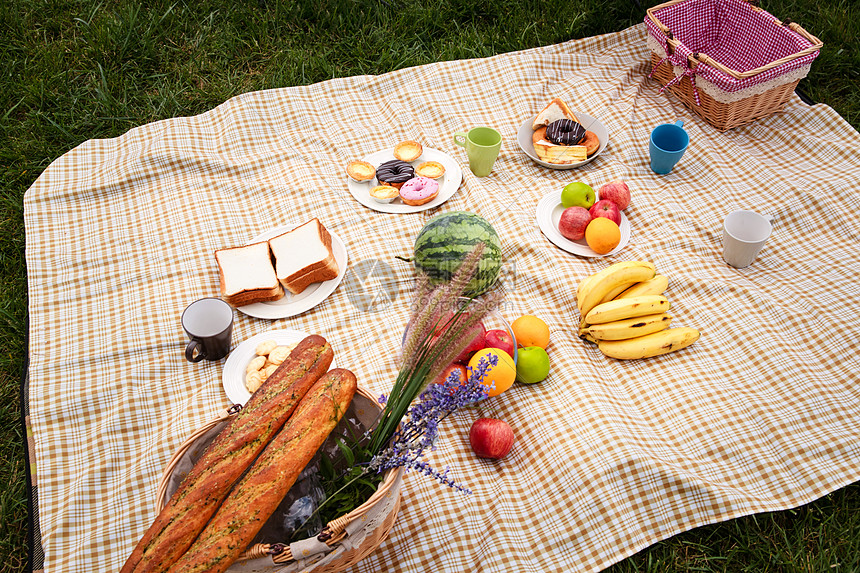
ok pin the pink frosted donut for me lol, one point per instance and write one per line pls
(419, 190)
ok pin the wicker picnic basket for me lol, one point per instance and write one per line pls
(342, 543)
(729, 61)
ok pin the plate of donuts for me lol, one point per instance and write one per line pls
(548, 214)
(409, 178)
(592, 124)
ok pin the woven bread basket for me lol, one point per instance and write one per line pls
(342, 543)
(755, 61)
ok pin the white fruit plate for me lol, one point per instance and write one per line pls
(548, 213)
(524, 139)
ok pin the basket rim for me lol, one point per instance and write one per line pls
(815, 46)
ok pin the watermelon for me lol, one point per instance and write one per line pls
(445, 241)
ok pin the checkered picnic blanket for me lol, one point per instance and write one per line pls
(762, 413)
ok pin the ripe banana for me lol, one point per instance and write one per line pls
(582, 288)
(657, 285)
(629, 328)
(596, 287)
(627, 308)
(613, 294)
(649, 345)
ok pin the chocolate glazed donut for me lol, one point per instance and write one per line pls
(565, 132)
(394, 173)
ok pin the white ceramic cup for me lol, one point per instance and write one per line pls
(744, 235)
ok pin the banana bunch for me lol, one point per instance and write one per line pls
(623, 311)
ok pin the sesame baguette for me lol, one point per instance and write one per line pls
(259, 492)
(228, 456)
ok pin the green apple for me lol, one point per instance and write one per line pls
(532, 365)
(577, 194)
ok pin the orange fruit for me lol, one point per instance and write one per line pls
(530, 331)
(602, 235)
(499, 377)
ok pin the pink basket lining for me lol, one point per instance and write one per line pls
(731, 32)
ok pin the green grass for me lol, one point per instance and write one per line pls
(75, 70)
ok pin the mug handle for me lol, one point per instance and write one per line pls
(680, 123)
(460, 138)
(189, 351)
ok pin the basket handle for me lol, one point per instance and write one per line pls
(672, 42)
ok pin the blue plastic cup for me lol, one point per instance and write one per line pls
(669, 141)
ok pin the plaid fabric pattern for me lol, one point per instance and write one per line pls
(762, 413)
(733, 33)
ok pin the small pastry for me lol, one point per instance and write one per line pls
(408, 150)
(565, 132)
(590, 142)
(360, 170)
(549, 152)
(419, 190)
(394, 173)
(431, 169)
(384, 193)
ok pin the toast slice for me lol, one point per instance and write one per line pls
(554, 110)
(304, 256)
(247, 275)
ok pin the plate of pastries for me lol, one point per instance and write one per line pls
(561, 138)
(406, 179)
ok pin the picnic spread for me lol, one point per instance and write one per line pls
(613, 451)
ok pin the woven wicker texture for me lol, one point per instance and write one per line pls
(762, 413)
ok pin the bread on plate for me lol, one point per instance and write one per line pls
(554, 110)
(304, 256)
(247, 275)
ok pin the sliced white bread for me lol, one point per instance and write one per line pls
(554, 110)
(304, 256)
(247, 275)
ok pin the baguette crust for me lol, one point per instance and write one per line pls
(230, 454)
(259, 492)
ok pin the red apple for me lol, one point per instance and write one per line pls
(616, 191)
(573, 222)
(458, 368)
(491, 438)
(500, 339)
(606, 208)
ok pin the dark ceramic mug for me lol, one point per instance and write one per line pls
(208, 322)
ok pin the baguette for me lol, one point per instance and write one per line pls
(257, 495)
(230, 454)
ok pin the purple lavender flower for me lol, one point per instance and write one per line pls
(420, 428)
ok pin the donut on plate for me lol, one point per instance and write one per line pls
(419, 190)
(394, 173)
(565, 132)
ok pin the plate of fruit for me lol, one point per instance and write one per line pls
(561, 138)
(586, 222)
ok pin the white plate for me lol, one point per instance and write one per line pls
(548, 213)
(293, 304)
(524, 138)
(233, 375)
(448, 183)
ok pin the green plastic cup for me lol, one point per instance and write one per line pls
(482, 147)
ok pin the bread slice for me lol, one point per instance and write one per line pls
(247, 275)
(304, 256)
(554, 110)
